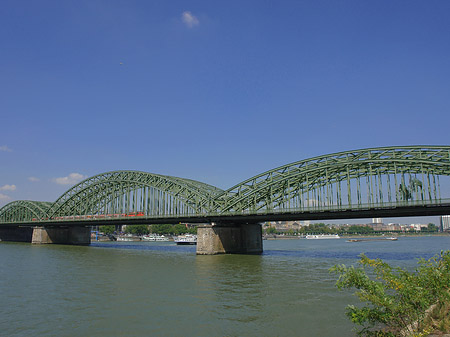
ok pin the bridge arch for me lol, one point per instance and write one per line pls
(24, 210)
(125, 193)
(360, 179)
(374, 176)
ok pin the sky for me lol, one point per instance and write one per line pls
(216, 91)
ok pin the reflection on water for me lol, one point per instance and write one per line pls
(160, 289)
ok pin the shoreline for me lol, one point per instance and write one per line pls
(342, 236)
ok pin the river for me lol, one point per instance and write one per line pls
(160, 289)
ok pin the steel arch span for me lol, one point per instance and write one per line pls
(367, 179)
(24, 210)
(407, 175)
(134, 193)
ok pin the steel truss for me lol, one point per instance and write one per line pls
(24, 210)
(408, 175)
(352, 178)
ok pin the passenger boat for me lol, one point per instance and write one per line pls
(323, 236)
(127, 238)
(188, 239)
(154, 237)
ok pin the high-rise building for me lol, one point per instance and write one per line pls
(445, 222)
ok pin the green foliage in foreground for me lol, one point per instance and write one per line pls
(397, 302)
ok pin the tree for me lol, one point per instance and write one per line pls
(137, 229)
(107, 229)
(271, 230)
(355, 229)
(319, 228)
(173, 229)
(432, 227)
(397, 301)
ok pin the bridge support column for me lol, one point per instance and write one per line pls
(62, 235)
(15, 233)
(229, 239)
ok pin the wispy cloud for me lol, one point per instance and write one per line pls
(8, 188)
(4, 197)
(5, 148)
(33, 179)
(71, 179)
(189, 19)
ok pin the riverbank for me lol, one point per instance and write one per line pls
(368, 236)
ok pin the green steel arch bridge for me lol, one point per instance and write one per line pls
(385, 181)
(374, 182)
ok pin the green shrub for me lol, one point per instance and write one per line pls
(396, 301)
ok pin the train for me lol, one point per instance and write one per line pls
(93, 216)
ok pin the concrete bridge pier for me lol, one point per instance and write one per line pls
(16, 233)
(239, 238)
(62, 235)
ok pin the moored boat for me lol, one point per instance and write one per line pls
(322, 236)
(154, 237)
(188, 239)
(127, 238)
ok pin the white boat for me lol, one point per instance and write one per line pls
(393, 238)
(188, 239)
(154, 237)
(323, 236)
(127, 238)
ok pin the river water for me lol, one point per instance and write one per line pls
(160, 289)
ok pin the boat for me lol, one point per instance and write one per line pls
(393, 238)
(188, 239)
(127, 238)
(154, 237)
(322, 236)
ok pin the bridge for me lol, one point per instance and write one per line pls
(375, 182)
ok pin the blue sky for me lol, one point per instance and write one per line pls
(216, 91)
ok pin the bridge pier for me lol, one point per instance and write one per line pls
(16, 234)
(62, 235)
(218, 238)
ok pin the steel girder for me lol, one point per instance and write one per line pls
(375, 176)
(24, 210)
(123, 192)
(335, 179)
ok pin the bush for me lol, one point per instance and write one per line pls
(397, 301)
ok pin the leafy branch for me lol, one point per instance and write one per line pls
(396, 301)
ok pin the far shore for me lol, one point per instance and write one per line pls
(284, 237)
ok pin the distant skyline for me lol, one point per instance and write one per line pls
(212, 91)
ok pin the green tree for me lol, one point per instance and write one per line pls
(397, 300)
(165, 229)
(107, 229)
(271, 230)
(319, 228)
(137, 229)
(355, 229)
(432, 227)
